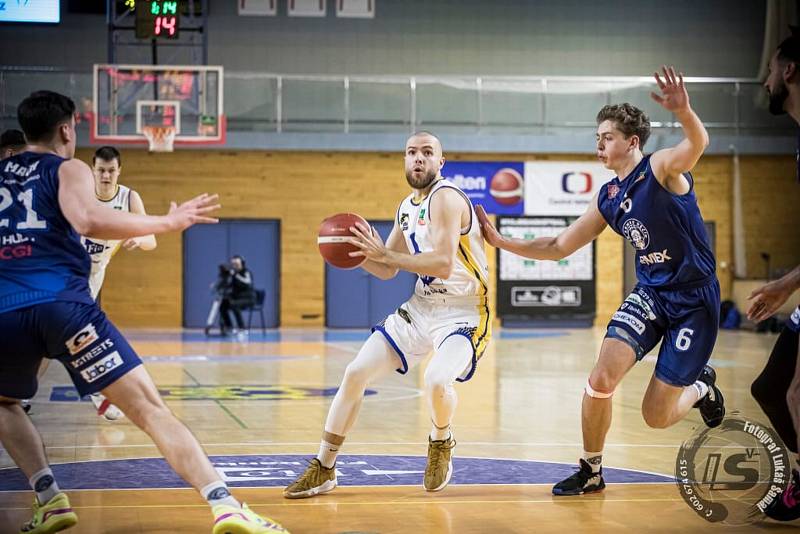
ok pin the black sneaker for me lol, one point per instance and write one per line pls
(582, 481)
(26, 405)
(786, 506)
(712, 406)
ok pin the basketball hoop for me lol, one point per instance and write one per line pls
(160, 138)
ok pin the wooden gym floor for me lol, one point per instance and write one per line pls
(258, 408)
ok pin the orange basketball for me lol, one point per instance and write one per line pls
(506, 187)
(332, 246)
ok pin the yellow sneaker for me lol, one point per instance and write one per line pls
(232, 520)
(316, 480)
(440, 464)
(53, 516)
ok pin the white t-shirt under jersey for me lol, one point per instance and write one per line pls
(102, 250)
(471, 271)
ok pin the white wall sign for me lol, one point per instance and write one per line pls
(562, 187)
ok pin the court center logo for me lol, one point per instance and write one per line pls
(732, 473)
(636, 232)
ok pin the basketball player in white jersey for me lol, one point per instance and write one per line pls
(106, 166)
(437, 236)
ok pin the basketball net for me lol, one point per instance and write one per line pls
(160, 138)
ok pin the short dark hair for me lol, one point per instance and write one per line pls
(789, 49)
(628, 119)
(41, 112)
(107, 153)
(12, 138)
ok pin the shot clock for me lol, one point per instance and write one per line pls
(158, 19)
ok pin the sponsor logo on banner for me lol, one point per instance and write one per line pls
(498, 186)
(576, 183)
(546, 296)
(85, 337)
(562, 187)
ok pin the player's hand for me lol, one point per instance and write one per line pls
(369, 243)
(490, 233)
(194, 211)
(130, 244)
(673, 95)
(766, 300)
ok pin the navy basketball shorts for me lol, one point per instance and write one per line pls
(685, 321)
(793, 322)
(79, 335)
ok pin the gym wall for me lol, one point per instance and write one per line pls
(302, 188)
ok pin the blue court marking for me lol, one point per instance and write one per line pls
(207, 358)
(512, 334)
(257, 471)
(278, 336)
(271, 336)
(219, 392)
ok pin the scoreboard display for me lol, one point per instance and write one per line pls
(159, 19)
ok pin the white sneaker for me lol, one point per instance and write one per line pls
(105, 409)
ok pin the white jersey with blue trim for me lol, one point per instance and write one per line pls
(102, 250)
(470, 273)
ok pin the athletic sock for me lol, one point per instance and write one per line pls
(217, 493)
(594, 459)
(440, 434)
(329, 449)
(702, 389)
(45, 485)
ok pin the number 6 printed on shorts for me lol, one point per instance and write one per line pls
(683, 341)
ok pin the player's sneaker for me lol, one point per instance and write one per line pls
(582, 481)
(26, 405)
(233, 520)
(439, 468)
(53, 516)
(786, 506)
(712, 406)
(316, 479)
(105, 409)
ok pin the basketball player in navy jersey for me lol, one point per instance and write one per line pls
(777, 388)
(47, 201)
(11, 142)
(652, 204)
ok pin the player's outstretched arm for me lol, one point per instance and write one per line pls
(146, 242)
(447, 207)
(90, 218)
(394, 242)
(766, 300)
(669, 164)
(578, 234)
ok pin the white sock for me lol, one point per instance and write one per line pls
(594, 459)
(45, 485)
(327, 454)
(440, 434)
(702, 389)
(218, 493)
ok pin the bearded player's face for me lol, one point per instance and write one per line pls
(423, 160)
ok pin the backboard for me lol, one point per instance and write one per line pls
(128, 98)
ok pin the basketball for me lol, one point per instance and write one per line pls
(506, 187)
(331, 240)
